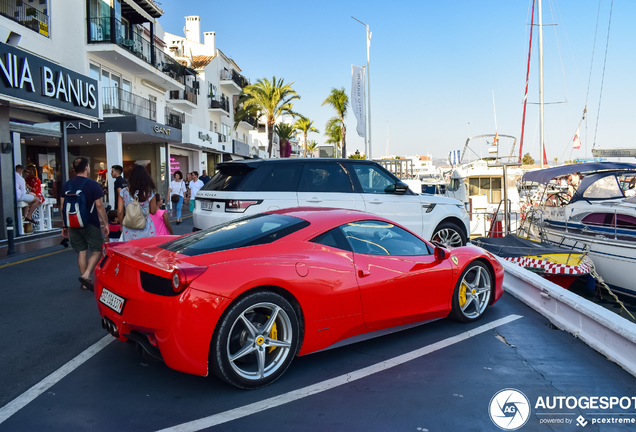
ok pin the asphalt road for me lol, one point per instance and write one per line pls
(47, 321)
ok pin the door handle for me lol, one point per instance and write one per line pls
(314, 200)
(375, 202)
(362, 273)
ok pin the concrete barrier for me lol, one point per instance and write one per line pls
(606, 332)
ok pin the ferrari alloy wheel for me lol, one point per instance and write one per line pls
(255, 341)
(449, 235)
(472, 293)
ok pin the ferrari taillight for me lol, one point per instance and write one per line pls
(182, 277)
(239, 206)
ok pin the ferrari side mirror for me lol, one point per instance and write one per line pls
(440, 253)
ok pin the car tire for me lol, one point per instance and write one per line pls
(449, 234)
(243, 352)
(472, 293)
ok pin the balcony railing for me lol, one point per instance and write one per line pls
(174, 118)
(26, 15)
(132, 39)
(239, 79)
(118, 101)
(188, 94)
(220, 103)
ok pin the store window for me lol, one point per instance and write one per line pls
(96, 155)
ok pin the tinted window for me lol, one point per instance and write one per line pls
(229, 178)
(275, 177)
(333, 238)
(382, 238)
(331, 177)
(249, 231)
(374, 180)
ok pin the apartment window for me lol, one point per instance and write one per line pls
(211, 90)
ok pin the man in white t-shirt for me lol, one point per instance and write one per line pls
(21, 194)
(195, 185)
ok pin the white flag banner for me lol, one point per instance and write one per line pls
(357, 98)
(577, 139)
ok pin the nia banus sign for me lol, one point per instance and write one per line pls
(31, 78)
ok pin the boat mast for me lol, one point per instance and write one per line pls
(541, 78)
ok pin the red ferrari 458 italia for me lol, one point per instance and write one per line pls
(243, 298)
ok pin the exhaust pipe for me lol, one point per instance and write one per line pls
(110, 327)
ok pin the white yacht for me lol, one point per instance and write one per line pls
(600, 214)
(479, 183)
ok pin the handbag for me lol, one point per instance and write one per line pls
(135, 217)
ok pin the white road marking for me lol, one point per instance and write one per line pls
(276, 401)
(25, 398)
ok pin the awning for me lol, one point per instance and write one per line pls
(544, 176)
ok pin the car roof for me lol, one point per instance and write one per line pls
(256, 162)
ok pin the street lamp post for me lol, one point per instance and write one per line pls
(369, 34)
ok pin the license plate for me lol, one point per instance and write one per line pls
(112, 300)
(207, 205)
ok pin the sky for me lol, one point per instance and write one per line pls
(434, 66)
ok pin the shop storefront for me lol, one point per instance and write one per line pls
(127, 141)
(36, 96)
(200, 150)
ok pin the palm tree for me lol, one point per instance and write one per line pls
(285, 132)
(271, 99)
(339, 101)
(311, 147)
(244, 113)
(333, 132)
(305, 125)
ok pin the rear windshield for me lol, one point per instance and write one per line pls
(249, 231)
(229, 178)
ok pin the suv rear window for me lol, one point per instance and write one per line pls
(229, 178)
(250, 231)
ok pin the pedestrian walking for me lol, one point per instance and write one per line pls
(141, 190)
(120, 183)
(160, 219)
(82, 209)
(195, 185)
(204, 177)
(177, 193)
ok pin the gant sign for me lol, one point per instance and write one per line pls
(31, 78)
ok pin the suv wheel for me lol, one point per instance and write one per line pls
(449, 234)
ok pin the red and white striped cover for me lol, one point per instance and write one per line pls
(552, 267)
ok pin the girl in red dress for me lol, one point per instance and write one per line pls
(33, 182)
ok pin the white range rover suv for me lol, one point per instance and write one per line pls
(241, 188)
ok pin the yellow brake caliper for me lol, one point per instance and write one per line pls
(462, 294)
(273, 335)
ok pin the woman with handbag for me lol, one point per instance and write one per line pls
(137, 202)
(177, 191)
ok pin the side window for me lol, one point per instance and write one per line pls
(373, 180)
(333, 238)
(383, 238)
(325, 178)
(275, 177)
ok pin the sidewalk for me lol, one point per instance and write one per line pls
(27, 246)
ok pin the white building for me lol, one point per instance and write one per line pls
(210, 114)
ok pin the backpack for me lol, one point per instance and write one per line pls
(75, 213)
(135, 217)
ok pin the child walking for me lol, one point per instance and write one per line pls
(160, 219)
